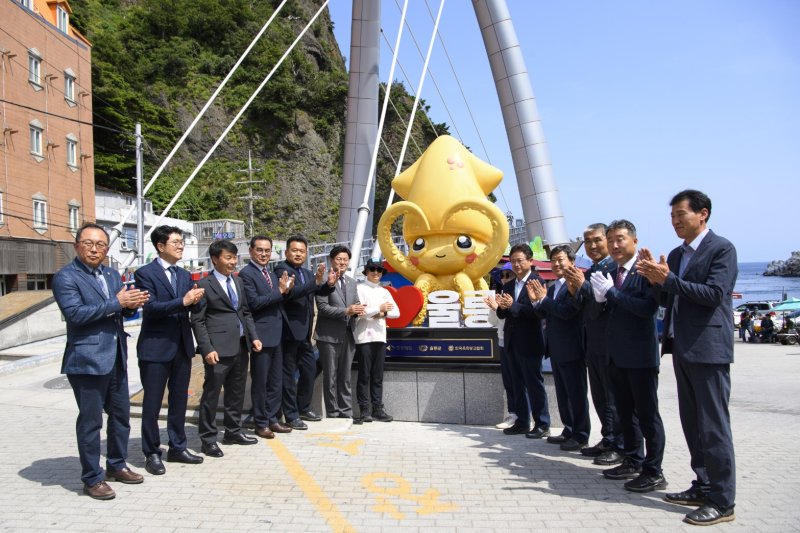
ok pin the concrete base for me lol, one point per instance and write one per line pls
(451, 397)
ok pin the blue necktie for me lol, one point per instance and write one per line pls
(234, 301)
(101, 281)
(173, 279)
(302, 279)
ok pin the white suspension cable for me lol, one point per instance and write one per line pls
(376, 249)
(236, 118)
(199, 116)
(363, 209)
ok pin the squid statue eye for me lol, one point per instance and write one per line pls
(464, 242)
(418, 245)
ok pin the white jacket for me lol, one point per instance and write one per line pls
(370, 327)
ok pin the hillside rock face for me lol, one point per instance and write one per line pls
(787, 269)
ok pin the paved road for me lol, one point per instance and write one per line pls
(391, 477)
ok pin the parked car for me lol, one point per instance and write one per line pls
(760, 307)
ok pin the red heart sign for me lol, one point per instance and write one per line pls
(409, 299)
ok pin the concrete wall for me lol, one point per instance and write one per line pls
(43, 324)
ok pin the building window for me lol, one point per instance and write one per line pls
(62, 18)
(72, 151)
(39, 212)
(37, 282)
(74, 217)
(34, 67)
(69, 86)
(36, 140)
(27, 3)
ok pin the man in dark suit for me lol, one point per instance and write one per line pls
(299, 307)
(334, 335)
(608, 451)
(265, 297)
(224, 329)
(560, 306)
(522, 336)
(696, 282)
(633, 346)
(93, 302)
(165, 348)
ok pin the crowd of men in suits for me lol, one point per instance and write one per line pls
(600, 334)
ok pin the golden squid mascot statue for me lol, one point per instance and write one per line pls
(455, 235)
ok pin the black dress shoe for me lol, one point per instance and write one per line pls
(627, 470)
(212, 450)
(609, 458)
(646, 483)
(538, 432)
(238, 438)
(693, 496)
(516, 429)
(557, 439)
(297, 424)
(154, 465)
(596, 450)
(184, 456)
(310, 416)
(572, 445)
(709, 514)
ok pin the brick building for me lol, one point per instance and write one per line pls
(46, 146)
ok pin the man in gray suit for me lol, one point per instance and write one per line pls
(696, 284)
(334, 336)
(93, 302)
(225, 332)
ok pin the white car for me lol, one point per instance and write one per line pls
(760, 307)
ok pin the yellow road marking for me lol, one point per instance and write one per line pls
(310, 488)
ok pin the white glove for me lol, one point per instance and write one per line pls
(600, 285)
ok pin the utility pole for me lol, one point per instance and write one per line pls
(250, 183)
(139, 195)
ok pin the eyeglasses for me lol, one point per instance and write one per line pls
(177, 244)
(264, 251)
(92, 244)
(375, 269)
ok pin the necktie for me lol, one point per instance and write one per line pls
(300, 275)
(341, 283)
(173, 279)
(234, 301)
(101, 281)
(266, 275)
(685, 257)
(620, 277)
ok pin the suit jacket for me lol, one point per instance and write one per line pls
(216, 323)
(165, 320)
(94, 323)
(522, 332)
(299, 302)
(632, 335)
(333, 324)
(265, 303)
(563, 314)
(595, 316)
(704, 320)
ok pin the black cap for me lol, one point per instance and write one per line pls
(373, 264)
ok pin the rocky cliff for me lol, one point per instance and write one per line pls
(787, 269)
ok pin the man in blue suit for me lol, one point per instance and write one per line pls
(299, 307)
(522, 336)
(560, 305)
(633, 346)
(696, 282)
(265, 293)
(165, 348)
(93, 302)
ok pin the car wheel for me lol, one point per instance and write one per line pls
(791, 340)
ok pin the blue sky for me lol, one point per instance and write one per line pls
(638, 100)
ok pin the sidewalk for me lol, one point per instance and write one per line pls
(392, 477)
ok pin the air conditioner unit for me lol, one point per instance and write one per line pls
(123, 245)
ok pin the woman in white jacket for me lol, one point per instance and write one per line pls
(370, 338)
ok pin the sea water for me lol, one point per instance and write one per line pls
(753, 285)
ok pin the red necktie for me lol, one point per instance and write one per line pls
(266, 275)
